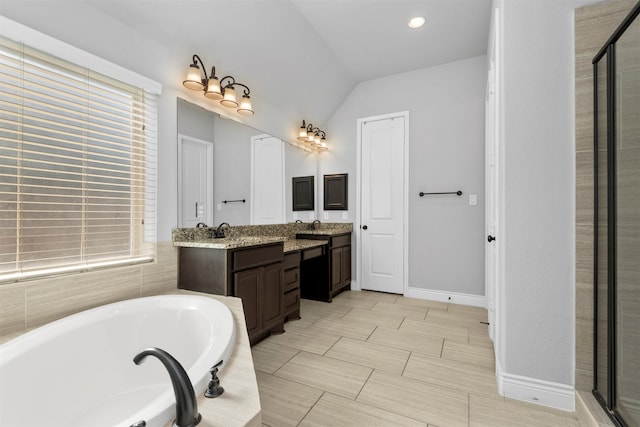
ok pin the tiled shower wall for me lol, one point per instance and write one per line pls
(28, 304)
(593, 26)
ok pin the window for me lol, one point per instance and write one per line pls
(77, 167)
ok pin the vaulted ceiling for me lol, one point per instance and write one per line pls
(302, 55)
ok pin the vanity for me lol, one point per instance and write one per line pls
(326, 277)
(269, 267)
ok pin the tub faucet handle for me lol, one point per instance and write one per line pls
(214, 389)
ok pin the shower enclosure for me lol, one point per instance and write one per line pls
(617, 223)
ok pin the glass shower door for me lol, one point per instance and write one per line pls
(627, 177)
(617, 223)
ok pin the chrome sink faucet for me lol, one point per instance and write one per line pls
(220, 231)
(186, 404)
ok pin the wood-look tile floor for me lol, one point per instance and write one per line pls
(376, 359)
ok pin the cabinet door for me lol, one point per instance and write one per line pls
(272, 296)
(346, 264)
(336, 268)
(248, 286)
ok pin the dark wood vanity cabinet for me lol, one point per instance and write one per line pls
(255, 274)
(324, 277)
(258, 279)
(291, 266)
(262, 298)
(340, 262)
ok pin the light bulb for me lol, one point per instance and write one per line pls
(213, 89)
(194, 78)
(245, 106)
(229, 99)
(416, 22)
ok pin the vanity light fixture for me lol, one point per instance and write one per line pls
(222, 89)
(416, 22)
(315, 137)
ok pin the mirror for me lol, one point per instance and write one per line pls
(229, 181)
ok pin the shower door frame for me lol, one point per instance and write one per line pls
(609, 403)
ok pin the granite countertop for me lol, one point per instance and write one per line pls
(325, 231)
(228, 242)
(293, 245)
(290, 245)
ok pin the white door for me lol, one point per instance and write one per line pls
(195, 181)
(267, 180)
(382, 202)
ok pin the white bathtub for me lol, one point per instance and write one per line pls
(79, 371)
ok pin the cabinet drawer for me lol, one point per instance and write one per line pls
(338, 241)
(291, 300)
(291, 279)
(246, 258)
(312, 253)
(291, 260)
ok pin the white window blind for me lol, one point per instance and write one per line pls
(77, 167)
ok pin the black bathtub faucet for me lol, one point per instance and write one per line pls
(186, 404)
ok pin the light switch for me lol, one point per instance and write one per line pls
(473, 199)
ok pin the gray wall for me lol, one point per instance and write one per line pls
(195, 121)
(232, 159)
(446, 152)
(299, 162)
(537, 326)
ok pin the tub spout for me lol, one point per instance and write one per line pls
(186, 404)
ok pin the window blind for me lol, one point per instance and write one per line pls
(77, 166)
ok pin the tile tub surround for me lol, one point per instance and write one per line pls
(28, 304)
(426, 364)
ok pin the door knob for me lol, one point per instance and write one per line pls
(490, 238)
(364, 227)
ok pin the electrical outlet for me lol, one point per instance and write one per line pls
(326, 215)
(345, 215)
(295, 216)
(219, 206)
(473, 199)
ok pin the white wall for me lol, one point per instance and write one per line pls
(446, 152)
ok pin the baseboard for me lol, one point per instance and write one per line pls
(443, 296)
(546, 393)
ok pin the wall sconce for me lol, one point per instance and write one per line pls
(217, 89)
(313, 136)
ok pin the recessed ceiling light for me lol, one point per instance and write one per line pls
(416, 22)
